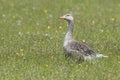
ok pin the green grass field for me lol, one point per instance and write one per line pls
(31, 38)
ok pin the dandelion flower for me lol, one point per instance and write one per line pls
(17, 53)
(93, 22)
(83, 40)
(60, 27)
(113, 19)
(46, 65)
(13, 17)
(45, 11)
(21, 50)
(48, 27)
(56, 31)
(119, 62)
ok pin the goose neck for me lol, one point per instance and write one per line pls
(70, 26)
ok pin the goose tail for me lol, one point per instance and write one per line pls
(101, 55)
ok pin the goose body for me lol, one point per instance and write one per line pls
(74, 48)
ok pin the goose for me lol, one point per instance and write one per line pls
(77, 49)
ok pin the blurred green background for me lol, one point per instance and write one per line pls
(31, 38)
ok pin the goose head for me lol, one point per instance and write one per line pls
(67, 17)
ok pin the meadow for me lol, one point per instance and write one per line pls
(31, 39)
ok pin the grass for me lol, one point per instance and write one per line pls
(31, 38)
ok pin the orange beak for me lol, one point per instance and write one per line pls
(62, 17)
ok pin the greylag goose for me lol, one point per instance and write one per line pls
(76, 49)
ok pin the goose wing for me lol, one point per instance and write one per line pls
(82, 48)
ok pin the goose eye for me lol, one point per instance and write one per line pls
(67, 15)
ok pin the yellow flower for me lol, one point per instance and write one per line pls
(113, 19)
(45, 11)
(93, 22)
(13, 17)
(119, 62)
(60, 27)
(46, 65)
(17, 53)
(21, 50)
(48, 27)
(83, 40)
(56, 31)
